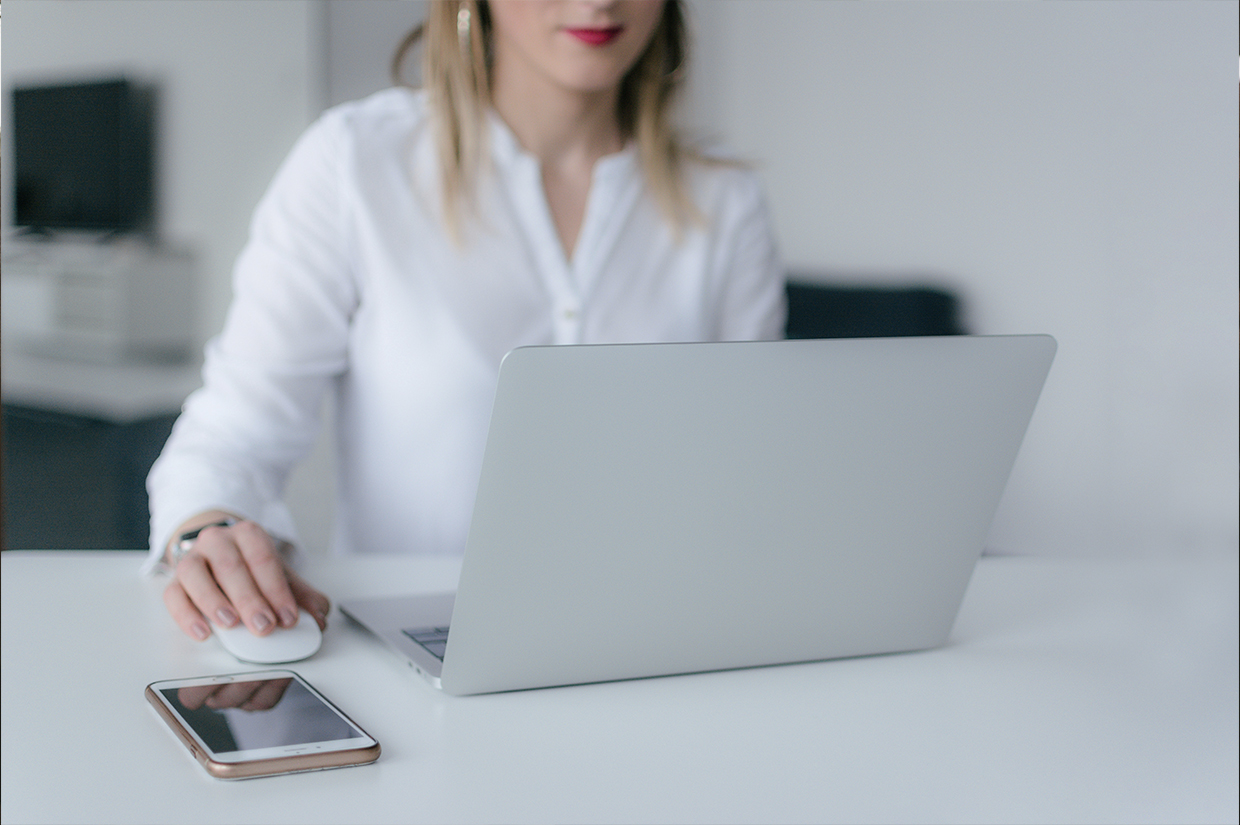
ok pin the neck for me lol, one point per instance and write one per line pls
(557, 126)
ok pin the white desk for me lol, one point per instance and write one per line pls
(1082, 691)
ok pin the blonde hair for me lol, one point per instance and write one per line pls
(455, 38)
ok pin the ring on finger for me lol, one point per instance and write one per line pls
(186, 541)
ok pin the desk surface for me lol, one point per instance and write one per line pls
(1082, 691)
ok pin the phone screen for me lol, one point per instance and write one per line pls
(253, 715)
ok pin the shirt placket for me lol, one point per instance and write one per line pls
(535, 217)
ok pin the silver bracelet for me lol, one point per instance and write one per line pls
(186, 541)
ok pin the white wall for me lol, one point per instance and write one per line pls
(361, 38)
(1072, 168)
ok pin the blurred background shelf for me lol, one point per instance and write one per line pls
(79, 440)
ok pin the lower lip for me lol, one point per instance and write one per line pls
(595, 37)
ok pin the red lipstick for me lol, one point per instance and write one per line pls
(596, 37)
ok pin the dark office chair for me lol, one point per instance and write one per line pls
(824, 310)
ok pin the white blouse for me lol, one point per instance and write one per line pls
(349, 286)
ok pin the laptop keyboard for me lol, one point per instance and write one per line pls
(433, 639)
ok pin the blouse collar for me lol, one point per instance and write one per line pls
(508, 153)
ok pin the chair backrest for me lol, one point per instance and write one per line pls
(822, 310)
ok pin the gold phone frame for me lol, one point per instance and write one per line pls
(296, 763)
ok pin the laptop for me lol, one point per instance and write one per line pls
(657, 509)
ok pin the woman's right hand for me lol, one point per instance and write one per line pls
(237, 573)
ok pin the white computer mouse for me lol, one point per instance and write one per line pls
(284, 644)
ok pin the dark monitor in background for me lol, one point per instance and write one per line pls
(84, 157)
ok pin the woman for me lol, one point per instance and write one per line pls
(531, 193)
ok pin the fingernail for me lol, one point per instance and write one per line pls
(288, 617)
(261, 621)
(200, 631)
(226, 617)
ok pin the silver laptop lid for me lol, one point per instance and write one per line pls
(657, 509)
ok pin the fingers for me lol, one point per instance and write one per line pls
(261, 695)
(233, 695)
(195, 579)
(273, 603)
(312, 600)
(184, 613)
(268, 695)
(232, 574)
(192, 698)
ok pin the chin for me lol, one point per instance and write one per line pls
(593, 80)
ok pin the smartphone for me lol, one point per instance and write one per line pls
(264, 723)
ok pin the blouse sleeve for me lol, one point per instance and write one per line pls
(752, 303)
(284, 340)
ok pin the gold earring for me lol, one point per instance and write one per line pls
(462, 27)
